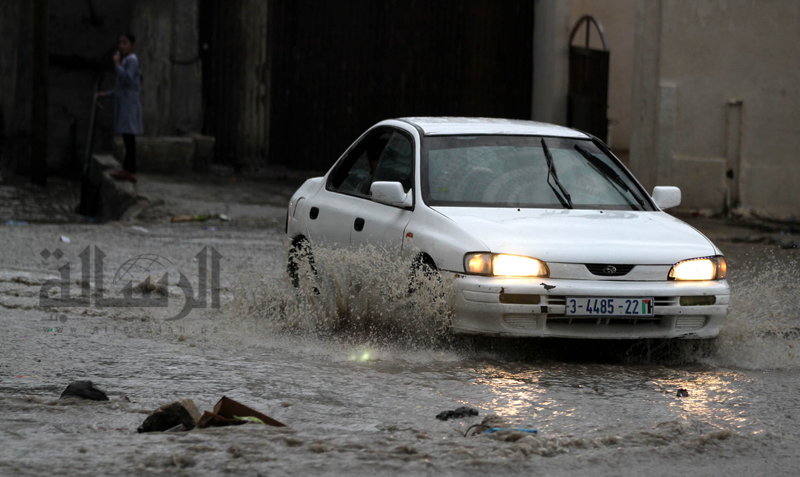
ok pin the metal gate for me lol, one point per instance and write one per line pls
(588, 83)
(233, 45)
(339, 67)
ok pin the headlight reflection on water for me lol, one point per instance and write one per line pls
(713, 398)
(362, 356)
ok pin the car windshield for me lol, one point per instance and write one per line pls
(515, 171)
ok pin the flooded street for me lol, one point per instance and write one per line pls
(359, 371)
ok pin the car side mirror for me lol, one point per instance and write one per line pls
(390, 193)
(666, 197)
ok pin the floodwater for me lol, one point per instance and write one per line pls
(359, 370)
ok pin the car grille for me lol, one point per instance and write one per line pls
(603, 269)
(602, 320)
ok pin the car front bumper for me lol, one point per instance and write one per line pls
(479, 309)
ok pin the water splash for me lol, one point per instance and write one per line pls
(351, 295)
(762, 330)
(361, 298)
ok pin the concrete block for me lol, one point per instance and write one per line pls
(203, 151)
(161, 154)
(104, 197)
(114, 198)
(98, 165)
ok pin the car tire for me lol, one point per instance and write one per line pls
(423, 266)
(300, 258)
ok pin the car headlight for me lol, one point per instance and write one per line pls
(706, 268)
(500, 264)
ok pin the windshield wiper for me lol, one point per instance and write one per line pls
(609, 173)
(551, 170)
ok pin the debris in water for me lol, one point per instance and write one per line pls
(209, 419)
(682, 393)
(170, 415)
(458, 413)
(198, 218)
(250, 419)
(83, 390)
(228, 409)
(492, 430)
(494, 423)
(178, 428)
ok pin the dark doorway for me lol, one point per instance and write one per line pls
(339, 67)
(587, 103)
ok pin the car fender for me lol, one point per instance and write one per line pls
(441, 238)
(298, 207)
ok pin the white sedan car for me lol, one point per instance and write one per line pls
(542, 229)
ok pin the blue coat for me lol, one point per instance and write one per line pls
(127, 107)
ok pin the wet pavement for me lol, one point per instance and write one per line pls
(359, 372)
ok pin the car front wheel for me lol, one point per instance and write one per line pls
(300, 264)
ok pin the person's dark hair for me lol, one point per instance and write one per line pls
(130, 36)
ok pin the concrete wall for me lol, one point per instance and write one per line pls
(717, 103)
(167, 47)
(617, 18)
(550, 61)
(82, 37)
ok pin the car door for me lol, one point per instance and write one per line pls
(332, 212)
(379, 224)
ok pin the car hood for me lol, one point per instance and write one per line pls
(583, 236)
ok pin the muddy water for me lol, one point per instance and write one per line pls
(359, 370)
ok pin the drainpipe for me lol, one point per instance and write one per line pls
(733, 154)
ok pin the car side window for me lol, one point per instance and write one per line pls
(354, 175)
(396, 163)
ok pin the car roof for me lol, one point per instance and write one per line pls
(447, 126)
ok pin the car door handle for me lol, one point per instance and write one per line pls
(358, 224)
(313, 213)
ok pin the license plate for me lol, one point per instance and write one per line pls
(616, 306)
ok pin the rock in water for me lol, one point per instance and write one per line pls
(170, 415)
(83, 390)
(460, 412)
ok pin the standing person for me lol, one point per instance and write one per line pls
(127, 107)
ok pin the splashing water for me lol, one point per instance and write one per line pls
(762, 330)
(369, 296)
(364, 294)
